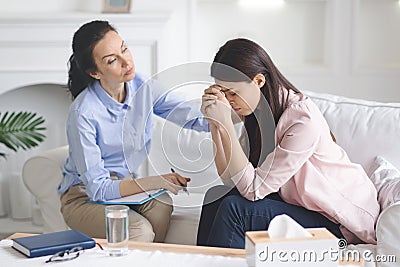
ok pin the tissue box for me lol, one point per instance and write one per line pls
(319, 250)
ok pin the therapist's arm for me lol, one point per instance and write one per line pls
(170, 105)
(173, 182)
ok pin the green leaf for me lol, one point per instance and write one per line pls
(22, 130)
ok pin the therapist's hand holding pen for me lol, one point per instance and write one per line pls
(184, 186)
(173, 182)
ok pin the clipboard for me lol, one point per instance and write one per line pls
(135, 199)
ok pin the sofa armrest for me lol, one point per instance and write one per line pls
(388, 233)
(41, 174)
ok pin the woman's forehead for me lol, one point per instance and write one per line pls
(226, 85)
(110, 41)
(231, 86)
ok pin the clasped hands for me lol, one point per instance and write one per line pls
(215, 106)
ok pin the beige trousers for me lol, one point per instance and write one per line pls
(148, 222)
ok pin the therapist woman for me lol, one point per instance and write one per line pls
(112, 114)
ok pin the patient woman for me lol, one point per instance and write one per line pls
(304, 174)
(113, 104)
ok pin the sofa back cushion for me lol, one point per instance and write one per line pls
(365, 129)
(189, 152)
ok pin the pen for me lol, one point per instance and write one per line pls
(183, 187)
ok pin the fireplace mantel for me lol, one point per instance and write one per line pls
(34, 49)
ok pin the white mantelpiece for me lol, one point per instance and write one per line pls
(34, 49)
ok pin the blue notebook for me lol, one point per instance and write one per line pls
(51, 243)
(135, 199)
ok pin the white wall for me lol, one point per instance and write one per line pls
(345, 47)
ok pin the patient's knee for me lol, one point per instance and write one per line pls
(215, 193)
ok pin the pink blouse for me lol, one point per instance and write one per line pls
(310, 170)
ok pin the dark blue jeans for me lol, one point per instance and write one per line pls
(225, 220)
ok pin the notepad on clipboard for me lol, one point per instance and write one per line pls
(135, 199)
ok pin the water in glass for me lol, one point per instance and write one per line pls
(117, 230)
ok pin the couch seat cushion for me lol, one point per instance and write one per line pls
(185, 218)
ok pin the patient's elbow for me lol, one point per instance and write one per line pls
(253, 194)
(250, 195)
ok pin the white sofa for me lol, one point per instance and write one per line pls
(365, 129)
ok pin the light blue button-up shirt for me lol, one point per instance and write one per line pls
(106, 136)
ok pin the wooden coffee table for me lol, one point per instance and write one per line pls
(185, 249)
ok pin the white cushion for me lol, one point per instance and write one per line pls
(365, 129)
(388, 234)
(41, 174)
(189, 152)
(386, 179)
(185, 218)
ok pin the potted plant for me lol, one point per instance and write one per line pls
(21, 130)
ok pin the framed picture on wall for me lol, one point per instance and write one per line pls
(116, 6)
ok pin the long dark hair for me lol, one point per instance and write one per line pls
(81, 60)
(251, 59)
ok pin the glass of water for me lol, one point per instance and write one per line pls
(117, 232)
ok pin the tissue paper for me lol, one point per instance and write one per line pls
(283, 226)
